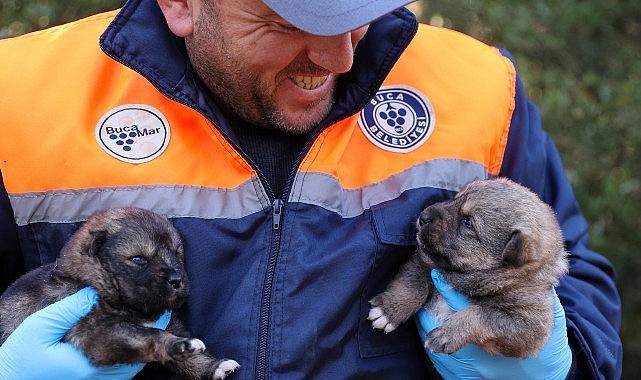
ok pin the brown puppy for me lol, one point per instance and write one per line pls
(134, 259)
(497, 243)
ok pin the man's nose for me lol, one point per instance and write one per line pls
(335, 53)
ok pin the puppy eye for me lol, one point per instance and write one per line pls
(467, 222)
(138, 260)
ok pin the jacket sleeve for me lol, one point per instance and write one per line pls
(588, 293)
(11, 263)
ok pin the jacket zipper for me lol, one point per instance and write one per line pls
(265, 301)
(266, 297)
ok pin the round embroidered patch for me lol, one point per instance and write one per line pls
(133, 133)
(398, 119)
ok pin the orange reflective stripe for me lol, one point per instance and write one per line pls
(48, 135)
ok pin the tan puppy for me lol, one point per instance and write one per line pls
(134, 259)
(497, 243)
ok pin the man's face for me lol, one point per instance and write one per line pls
(262, 69)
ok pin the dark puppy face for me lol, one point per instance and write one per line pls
(488, 225)
(132, 257)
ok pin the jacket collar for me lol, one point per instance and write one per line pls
(139, 38)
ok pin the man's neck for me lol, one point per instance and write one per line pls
(273, 152)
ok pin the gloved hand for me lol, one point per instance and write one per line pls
(35, 351)
(553, 362)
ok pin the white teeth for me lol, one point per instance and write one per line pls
(308, 82)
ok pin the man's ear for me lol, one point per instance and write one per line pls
(517, 250)
(180, 16)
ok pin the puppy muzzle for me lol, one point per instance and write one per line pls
(175, 279)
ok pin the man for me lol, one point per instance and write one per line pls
(293, 144)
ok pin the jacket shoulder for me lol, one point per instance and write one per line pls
(44, 67)
(451, 52)
(450, 44)
(98, 22)
(53, 48)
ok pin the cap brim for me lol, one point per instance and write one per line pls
(332, 17)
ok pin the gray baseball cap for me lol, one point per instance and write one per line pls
(332, 17)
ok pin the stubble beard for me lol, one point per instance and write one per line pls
(239, 93)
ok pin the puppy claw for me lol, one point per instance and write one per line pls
(375, 313)
(225, 368)
(380, 321)
(188, 346)
(196, 345)
(389, 328)
(438, 341)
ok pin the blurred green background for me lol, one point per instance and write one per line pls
(581, 63)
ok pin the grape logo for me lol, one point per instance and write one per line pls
(398, 119)
(133, 133)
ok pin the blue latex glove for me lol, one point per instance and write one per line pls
(34, 349)
(472, 362)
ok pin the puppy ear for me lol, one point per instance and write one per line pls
(78, 259)
(516, 251)
(96, 240)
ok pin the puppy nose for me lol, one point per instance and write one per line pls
(424, 218)
(429, 215)
(175, 279)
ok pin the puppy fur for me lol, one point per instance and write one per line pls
(497, 243)
(134, 259)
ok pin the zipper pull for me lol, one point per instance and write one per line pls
(276, 213)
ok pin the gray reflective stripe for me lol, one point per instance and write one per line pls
(326, 191)
(173, 201)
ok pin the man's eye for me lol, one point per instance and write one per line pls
(287, 28)
(138, 260)
(467, 222)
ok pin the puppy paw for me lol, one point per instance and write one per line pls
(442, 340)
(187, 347)
(380, 321)
(225, 367)
(388, 311)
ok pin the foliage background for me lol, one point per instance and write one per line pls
(581, 63)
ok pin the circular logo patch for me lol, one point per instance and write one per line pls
(398, 119)
(133, 133)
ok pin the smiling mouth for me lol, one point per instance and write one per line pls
(308, 82)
